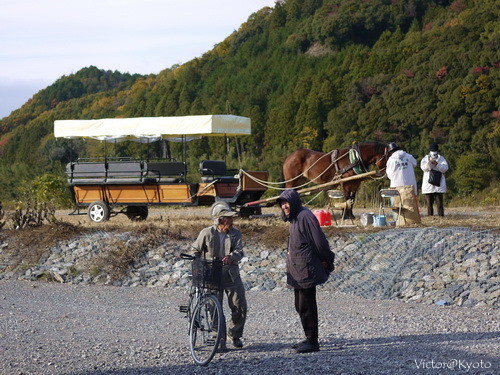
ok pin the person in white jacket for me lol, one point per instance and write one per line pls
(434, 192)
(400, 167)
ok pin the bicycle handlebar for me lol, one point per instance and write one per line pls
(192, 257)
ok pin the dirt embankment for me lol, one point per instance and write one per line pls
(187, 222)
(27, 246)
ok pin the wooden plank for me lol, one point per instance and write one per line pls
(88, 194)
(123, 194)
(175, 193)
(252, 185)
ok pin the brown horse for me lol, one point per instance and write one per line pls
(320, 167)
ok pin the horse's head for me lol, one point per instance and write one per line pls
(374, 152)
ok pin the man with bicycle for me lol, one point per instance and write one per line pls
(222, 241)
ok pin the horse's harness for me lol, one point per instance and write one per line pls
(355, 162)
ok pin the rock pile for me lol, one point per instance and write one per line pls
(448, 266)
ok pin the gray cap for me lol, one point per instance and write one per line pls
(222, 209)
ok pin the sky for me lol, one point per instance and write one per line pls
(43, 40)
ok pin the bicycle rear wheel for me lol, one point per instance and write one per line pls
(205, 329)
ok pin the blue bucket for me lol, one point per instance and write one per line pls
(379, 221)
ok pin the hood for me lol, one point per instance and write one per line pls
(399, 154)
(292, 197)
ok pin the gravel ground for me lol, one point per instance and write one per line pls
(72, 329)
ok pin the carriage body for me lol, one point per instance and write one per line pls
(124, 185)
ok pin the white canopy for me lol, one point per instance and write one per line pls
(153, 127)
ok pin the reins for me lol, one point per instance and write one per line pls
(358, 162)
(269, 184)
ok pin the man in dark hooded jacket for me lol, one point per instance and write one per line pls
(309, 263)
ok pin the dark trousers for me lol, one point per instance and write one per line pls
(306, 306)
(438, 197)
(236, 299)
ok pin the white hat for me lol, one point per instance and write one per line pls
(222, 209)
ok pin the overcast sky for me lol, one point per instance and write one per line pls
(42, 40)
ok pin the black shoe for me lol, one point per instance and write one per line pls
(297, 344)
(237, 343)
(308, 347)
(222, 348)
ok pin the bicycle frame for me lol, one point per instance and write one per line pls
(204, 312)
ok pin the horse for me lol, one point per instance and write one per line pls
(320, 167)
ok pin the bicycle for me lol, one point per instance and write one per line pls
(204, 310)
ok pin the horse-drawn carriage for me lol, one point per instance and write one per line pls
(105, 185)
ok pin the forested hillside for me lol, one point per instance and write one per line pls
(319, 74)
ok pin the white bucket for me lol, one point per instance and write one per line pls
(366, 219)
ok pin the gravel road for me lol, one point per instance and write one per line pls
(74, 329)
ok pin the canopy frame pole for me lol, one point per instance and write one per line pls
(184, 150)
(227, 147)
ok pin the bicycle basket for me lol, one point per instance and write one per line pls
(207, 274)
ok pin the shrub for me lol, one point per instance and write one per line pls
(37, 201)
(52, 190)
(32, 214)
(472, 173)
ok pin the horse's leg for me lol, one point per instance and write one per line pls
(350, 193)
(349, 213)
(291, 180)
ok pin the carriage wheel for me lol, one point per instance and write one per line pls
(137, 213)
(98, 211)
(249, 211)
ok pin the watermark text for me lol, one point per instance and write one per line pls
(452, 364)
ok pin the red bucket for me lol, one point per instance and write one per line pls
(324, 217)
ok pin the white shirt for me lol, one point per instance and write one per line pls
(399, 170)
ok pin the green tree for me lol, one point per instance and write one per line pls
(473, 172)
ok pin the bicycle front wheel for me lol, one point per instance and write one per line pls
(205, 329)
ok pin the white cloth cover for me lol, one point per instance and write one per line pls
(153, 127)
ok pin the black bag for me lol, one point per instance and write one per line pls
(435, 177)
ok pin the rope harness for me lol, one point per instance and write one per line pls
(355, 162)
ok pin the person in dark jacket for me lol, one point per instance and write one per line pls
(309, 263)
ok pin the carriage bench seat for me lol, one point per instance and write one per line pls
(90, 173)
(86, 172)
(124, 172)
(173, 171)
(215, 170)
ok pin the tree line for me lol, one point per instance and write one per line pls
(318, 74)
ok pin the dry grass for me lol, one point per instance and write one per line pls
(186, 223)
(27, 246)
(120, 257)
